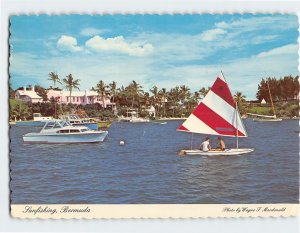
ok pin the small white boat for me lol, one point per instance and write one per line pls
(216, 114)
(64, 132)
(234, 151)
(133, 117)
(266, 118)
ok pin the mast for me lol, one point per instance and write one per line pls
(271, 99)
(236, 125)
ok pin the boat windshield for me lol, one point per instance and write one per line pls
(55, 124)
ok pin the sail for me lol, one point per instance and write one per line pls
(216, 114)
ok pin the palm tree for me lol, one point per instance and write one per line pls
(154, 91)
(71, 84)
(163, 93)
(203, 92)
(54, 78)
(239, 97)
(113, 88)
(101, 90)
(135, 89)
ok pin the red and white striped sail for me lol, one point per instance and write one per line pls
(216, 114)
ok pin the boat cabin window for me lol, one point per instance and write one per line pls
(83, 130)
(63, 131)
(74, 131)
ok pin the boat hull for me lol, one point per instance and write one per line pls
(217, 153)
(93, 137)
(104, 124)
(30, 123)
(268, 120)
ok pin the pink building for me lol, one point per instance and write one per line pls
(28, 95)
(80, 97)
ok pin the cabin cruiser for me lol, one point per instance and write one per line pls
(60, 131)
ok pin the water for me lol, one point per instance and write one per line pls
(147, 168)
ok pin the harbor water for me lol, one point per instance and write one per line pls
(147, 168)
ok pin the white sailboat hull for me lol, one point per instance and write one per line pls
(268, 120)
(216, 153)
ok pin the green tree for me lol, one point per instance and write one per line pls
(135, 91)
(54, 78)
(19, 110)
(71, 84)
(203, 92)
(41, 92)
(101, 90)
(163, 93)
(240, 99)
(113, 89)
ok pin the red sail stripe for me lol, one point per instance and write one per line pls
(182, 128)
(221, 89)
(215, 121)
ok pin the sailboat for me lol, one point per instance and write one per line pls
(266, 118)
(217, 114)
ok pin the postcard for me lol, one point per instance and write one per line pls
(154, 116)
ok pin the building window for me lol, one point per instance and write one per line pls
(73, 99)
(77, 99)
(67, 99)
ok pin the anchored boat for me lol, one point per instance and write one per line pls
(38, 121)
(217, 114)
(266, 118)
(64, 132)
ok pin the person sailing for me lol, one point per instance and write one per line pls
(205, 146)
(221, 144)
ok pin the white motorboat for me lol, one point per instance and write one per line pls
(64, 132)
(38, 121)
(133, 117)
(217, 114)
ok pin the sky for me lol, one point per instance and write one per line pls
(161, 50)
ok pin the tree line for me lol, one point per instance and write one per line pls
(178, 101)
(281, 89)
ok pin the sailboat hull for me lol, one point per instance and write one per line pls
(216, 153)
(268, 120)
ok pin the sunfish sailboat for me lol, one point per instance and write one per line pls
(217, 114)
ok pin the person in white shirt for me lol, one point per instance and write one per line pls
(205, 146)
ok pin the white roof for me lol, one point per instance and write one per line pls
(75, 93)
(31, 94)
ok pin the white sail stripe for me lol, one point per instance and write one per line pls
(195, 125)
(223, 109)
